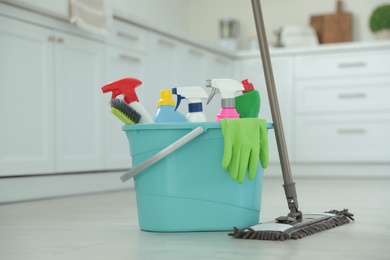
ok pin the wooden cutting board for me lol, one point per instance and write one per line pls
(332, 28)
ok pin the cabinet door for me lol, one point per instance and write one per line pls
(193, 66)
(26, 99)
(283, 75)
(219, 67)
(343, 138)
(121, 63)
(79, 71)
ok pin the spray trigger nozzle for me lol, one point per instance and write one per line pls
(213, 92)
(179, 98)
(125, 86)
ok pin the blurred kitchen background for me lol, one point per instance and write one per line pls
(332, 74)
(200, 18)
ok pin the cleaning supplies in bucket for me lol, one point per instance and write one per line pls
(126, 87)
(183, 192)
(228, 89)
(194, 95)
(166, 111)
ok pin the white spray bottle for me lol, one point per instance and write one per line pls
(194, 95)
(228, 89)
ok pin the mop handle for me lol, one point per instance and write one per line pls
(271, 90)
(161, 154)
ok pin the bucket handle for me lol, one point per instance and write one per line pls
(160, 155)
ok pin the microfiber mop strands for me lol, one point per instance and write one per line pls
(329, 220)
(124, 112)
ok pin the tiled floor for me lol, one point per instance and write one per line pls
(105, 226)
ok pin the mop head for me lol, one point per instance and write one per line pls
(310, 224)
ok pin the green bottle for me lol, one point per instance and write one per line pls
(248, 104)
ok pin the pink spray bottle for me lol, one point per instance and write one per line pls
(228, 89)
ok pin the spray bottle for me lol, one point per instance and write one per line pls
(194, 95)
(166, 111)
(228, 89)
(126, 87)
(248, 104)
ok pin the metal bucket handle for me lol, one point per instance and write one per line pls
(160, 155)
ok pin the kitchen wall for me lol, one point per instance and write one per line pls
(204, 16)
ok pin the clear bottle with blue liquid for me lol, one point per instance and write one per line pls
(166, 112)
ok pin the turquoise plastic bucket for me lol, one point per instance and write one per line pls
(188, 190)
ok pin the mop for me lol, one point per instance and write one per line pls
(295, 225)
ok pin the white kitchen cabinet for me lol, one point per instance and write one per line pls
(26, 99)
(339, 138)
(197, 65)
(343, 95)
(79, 73)
(346, 64)
(219, 66)
(192, 66)
(128, 36)
(162, 67)
(55, 78)
(342, 109)
(283, 74)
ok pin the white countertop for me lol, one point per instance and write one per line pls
(322, 48)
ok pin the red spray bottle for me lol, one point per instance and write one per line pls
(126, 87)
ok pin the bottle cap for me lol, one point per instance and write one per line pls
(247, 86)
(166, 98)
(195, 107)
(228, 102)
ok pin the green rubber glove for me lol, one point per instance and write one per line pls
(245, 141)
(263, 144)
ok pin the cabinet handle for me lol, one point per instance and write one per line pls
(166, 43)
(222, 61)
(352, 64)
(54, 39)
(127, 36)
(129, 58)
(195, 52)
(352, 95)
(351, 130)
